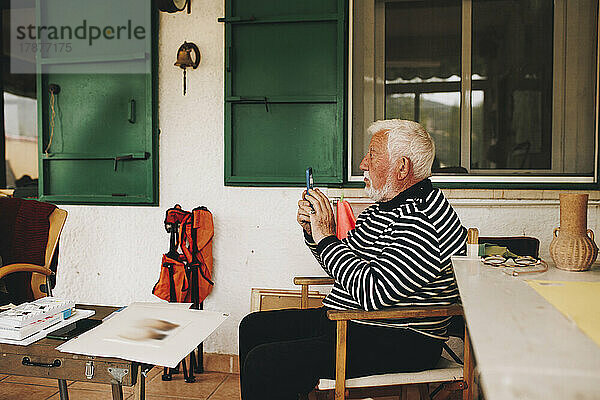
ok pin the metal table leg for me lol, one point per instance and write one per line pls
(62, 389)
(167, 374)
(200, 359)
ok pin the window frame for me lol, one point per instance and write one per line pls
(500, 178)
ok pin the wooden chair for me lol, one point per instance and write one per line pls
(448, 374)
(40, 274)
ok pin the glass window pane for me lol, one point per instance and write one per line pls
(512, 58)
(421, 71)
(20, 124)
(440, 115)
(533, 73)
(400, 105)
(422, 58)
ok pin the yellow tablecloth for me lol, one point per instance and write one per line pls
(579, 301)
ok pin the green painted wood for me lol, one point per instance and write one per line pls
(94, 124)
(293, 59)
(94, 113)
(293, 54)
(276, 144)
(97, 200)
(95, 177)
(127, 57)
(278, 19)
(271, 8)
(94, 156)
(283, 99)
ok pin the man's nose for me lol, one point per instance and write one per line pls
(363, 164)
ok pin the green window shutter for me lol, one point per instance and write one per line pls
(284, 91)
(104, 149)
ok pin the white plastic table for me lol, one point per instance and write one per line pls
(523, 346)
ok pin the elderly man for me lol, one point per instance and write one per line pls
(398, 255)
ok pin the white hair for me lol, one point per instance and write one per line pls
(407, 139)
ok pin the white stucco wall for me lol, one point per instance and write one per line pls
(111, 255)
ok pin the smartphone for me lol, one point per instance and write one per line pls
(74, 329)
(309, 179)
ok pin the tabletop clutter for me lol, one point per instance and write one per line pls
(152, 333)
(27, 319)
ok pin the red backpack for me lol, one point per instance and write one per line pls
(187, 277)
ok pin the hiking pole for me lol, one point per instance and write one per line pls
(196, 363)
(200, 360)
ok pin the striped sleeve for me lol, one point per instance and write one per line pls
(409, 261)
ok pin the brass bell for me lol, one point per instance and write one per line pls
(185, 59)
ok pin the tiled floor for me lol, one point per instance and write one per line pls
(208, 386)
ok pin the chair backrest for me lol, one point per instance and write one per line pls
(520, 245)
(39, 282)
(30, 260)
(57, 222)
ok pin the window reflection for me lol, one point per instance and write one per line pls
(20, 138)
(422, 65)
(18, 108)
(400, 105)
(440, 115)
(533, 83)
(512, 85)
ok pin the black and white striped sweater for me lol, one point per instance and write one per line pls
(398, 255)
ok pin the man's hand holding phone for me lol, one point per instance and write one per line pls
(304, 207)
(315, 214)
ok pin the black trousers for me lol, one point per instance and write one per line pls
(284, 353)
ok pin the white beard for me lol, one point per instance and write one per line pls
(377, 194)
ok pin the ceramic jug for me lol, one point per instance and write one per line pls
(573, 247)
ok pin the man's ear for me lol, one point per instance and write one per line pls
(403, 168)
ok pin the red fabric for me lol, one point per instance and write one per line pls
(31, 232)
(24, 228)
(199, 228)
(195, 235)
(345, 219)
(162, 289)
(204, 228)
(175, 215)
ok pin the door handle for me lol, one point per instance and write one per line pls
(26, 361)
(131, 111)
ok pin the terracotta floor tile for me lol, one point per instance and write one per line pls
(18, 391)
(80, 394)
(32, 381)
(204, 386)
(229, 390)
(165, 397)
